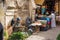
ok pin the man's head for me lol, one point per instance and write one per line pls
(15, 15)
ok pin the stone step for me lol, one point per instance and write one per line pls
(35, 37)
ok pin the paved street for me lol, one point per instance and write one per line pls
(46, 35)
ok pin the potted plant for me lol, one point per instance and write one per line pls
(18, 36)
(58, 37)
(5, 35)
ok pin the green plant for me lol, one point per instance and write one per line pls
(58, 37)
(4, 33)
(18, 36)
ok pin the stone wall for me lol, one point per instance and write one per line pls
(24, 10)
(32, 7)
(2, 13)
(22, 7)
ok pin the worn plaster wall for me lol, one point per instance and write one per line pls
(2, 14)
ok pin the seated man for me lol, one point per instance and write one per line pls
(28, 22)
(15, 22)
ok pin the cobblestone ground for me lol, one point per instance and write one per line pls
(46, 35)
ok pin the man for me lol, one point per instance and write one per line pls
(28, 21)
(15, 22)
(53, 20)
(1, 31)
(28, 25)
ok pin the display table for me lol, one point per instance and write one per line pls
(36, 26)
